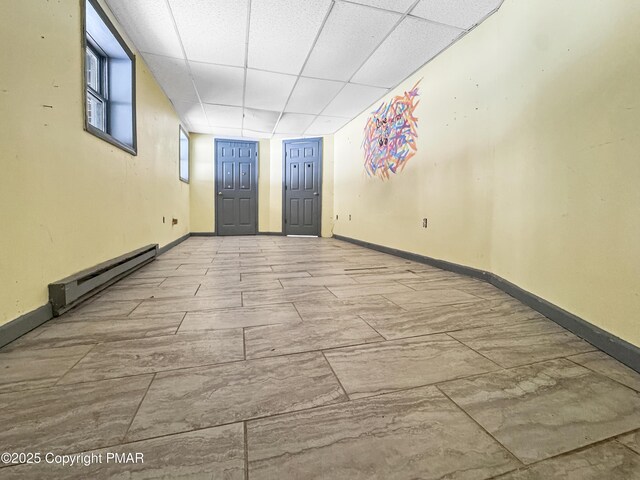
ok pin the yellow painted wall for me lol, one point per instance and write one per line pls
(327, 185)
(528, 159)
(69, 200)
(202, 183)
(269, 185)
(275, 180)
(264, 186)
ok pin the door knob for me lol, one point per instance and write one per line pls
(219, 193)
(316, 193)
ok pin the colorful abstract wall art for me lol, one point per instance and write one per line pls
(390, 135)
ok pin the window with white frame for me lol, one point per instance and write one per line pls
(96, 72)
(109, 69)
(184, 156)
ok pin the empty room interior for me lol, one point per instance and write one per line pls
(320, 239)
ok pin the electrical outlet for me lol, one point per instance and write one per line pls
(424, 223)
(174, 221)
(349, 217)
(336, 217)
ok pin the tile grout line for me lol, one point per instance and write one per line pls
(329, 290)
(595, 371)
(439, 332)
(177, 329)
(246, 450)
(437, 386)
(388, 300)
(385, 338)
(128, 315)
(244, 344)
(297, 311)
(617, 440)
(336, 376)
(611, 439)
(138, 409)
(501, 367)
(75, 364)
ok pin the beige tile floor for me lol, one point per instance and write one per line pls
(297, 358)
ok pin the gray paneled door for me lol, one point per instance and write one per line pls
(236, 188)
(302, 186)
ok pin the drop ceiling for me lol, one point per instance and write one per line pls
(279, 68)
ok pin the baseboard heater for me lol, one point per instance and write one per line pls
(68, 292)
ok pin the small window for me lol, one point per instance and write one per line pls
(184, 156)
(109, 69)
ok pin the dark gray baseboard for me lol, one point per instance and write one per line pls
(279, 234)
(203, 234)
(170, 245)
(24, 323)
(618, 348)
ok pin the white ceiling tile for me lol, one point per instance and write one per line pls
(395, 5)
(253, 134)
(353, 99)
(268, 91)
(282, 32)
(218, 83)
(173, 76)
(219, 132)
(226, 132)
(149, 25)
(191, 113)
(260, 120)
(282, 136)
(459, 13)
(294, 123)
(224, 116)
(212, 32)
(200, 128)
(311, 95)
(349, 36)
(410, 46)
(323, 125)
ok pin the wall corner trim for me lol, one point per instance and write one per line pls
(172, 244)
(616, 347)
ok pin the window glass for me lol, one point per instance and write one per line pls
(95, 111)
(93, 70)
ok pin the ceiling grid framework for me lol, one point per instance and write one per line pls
(286, 68)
